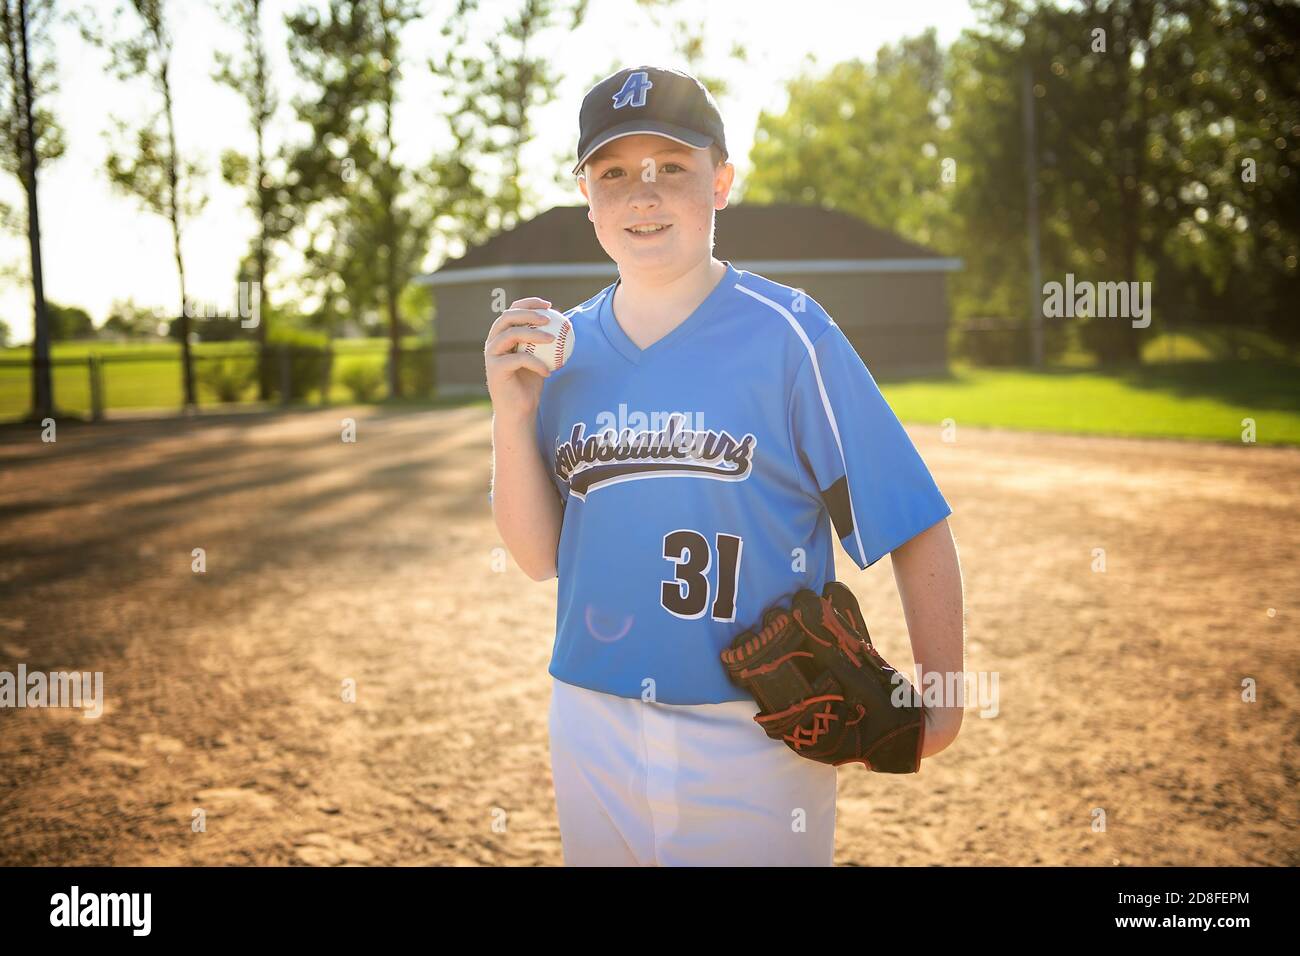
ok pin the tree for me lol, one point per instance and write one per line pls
(1093, 130)
(865, 139)
(690, 42)
(29, 137)
(154, 171)
(1167, 144)
(267, 193)
(376, 225)
(68, 322)
(128, 320)
(1237, 230)
(492, 101)
(1147, 110)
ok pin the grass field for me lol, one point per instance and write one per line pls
(1183, 391)
(1195, 382)
(1205, 400)
(148, 374)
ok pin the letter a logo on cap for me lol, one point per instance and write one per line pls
(634, 90)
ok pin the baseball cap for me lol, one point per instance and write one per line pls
(648, 99)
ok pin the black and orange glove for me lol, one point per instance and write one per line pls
(822, 688)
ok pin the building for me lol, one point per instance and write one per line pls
(886, 293)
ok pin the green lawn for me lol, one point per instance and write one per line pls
(148, 374)
(1193, 397)
(1177, 399)
(79, 350)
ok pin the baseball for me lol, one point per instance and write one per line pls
(556, 352)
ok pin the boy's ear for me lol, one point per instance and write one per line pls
(726, 174)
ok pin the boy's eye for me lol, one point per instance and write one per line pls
(664, 168)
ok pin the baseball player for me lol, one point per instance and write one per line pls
(710, 437)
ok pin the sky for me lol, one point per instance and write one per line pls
(99, 246)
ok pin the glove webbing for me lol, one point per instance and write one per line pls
(807, 736)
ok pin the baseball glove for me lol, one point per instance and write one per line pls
(823, 689)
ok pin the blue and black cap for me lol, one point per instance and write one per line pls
(648, 99)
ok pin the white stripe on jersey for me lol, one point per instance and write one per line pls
(826, 404)
(594, 304)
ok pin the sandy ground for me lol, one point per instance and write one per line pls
(377, 562)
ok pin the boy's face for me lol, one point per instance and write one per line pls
(652, 179)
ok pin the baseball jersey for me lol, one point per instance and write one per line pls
(706, 476)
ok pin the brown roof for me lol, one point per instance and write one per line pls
(745, 231)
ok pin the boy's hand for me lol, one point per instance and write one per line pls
(515, 378)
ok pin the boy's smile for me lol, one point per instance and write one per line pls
(648, 229)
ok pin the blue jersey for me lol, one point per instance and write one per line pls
(706, 476)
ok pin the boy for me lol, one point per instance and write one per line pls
(680, 474)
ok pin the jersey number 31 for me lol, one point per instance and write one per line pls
(687, 594)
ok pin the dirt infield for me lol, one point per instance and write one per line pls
(376, 562)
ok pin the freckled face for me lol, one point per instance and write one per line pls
(647, 179)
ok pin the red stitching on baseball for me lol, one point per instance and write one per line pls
(559, 343)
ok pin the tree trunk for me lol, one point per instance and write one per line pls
(1129, 344)
(387, 195)
(42, 379)
(174, 213)
(264, 386)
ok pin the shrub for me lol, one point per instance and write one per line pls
(363, 380)
(415, 372)
(1111, 339)
(228, 377)
(308, 358)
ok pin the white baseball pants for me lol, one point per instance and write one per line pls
(650, 784)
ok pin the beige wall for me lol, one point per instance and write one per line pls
(465, 313)
(898, 322)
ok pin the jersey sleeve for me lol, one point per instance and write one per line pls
(853, 453)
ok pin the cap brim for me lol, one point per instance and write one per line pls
(687, 137)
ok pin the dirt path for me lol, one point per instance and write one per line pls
(375, 562)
